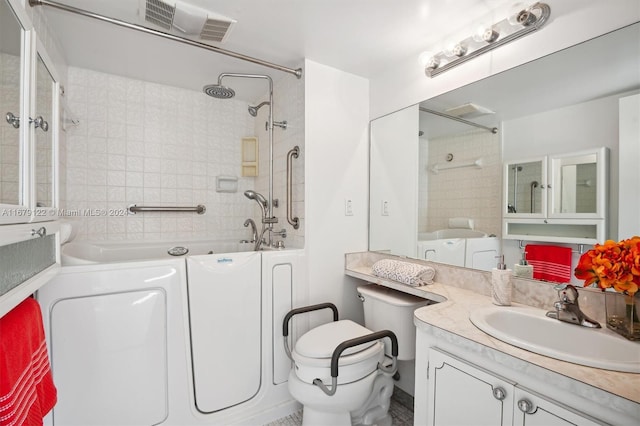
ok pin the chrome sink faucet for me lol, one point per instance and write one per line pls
(568, 310)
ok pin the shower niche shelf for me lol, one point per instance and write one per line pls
(250, 156)
(559, 198)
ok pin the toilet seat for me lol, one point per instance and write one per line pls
(313, 351)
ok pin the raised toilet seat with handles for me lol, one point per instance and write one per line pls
(343, 353)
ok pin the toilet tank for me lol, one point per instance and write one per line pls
(389, 309)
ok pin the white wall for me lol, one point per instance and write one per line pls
(629, 172)
(572, 21)
(337, 149)
(394, 182)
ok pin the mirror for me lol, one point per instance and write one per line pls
(43, 133)
(524, 183)
(564, 102)
(575, 184)
(11, 106)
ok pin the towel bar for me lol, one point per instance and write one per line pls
(200, 209)
(579, 251)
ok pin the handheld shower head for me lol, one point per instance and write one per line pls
(252, 195)
(253, 110)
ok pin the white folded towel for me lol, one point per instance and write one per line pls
(407, 273)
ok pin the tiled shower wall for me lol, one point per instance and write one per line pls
(9, 135)
(288, 99)
(464, 192)
(150, 144)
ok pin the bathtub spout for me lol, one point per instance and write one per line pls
(254, 229)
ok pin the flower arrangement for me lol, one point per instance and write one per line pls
(612, 264)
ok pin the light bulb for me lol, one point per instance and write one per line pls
(459, 50)
(425, 58)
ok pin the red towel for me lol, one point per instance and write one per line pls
(27, 392)
(550, 263)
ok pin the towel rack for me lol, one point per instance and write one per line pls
(436, 168)
(579, 251)
(134, 208)
(293, 221)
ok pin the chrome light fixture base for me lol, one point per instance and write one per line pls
(529, 20)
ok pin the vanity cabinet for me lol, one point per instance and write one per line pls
(561, 198)
(461, 393)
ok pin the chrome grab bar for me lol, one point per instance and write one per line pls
(134, 208)
(293, 221)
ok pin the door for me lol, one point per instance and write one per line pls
(531, 409)
(460, 394)
(225, 318)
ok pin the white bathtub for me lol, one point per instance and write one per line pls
(460, 247)
(182, 340)
(93, 252)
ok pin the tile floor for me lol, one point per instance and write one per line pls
(401, 411)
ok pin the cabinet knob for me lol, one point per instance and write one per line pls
(499, 393)
(13, 120)
(526, 406)
(39, 233)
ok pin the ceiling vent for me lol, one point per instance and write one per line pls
(159, 13)
(185, 19)
(468, 110)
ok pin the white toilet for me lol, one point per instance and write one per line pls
(361, 392)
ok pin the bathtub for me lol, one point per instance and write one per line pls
(94, 252)
(460, 247)
(138, 336)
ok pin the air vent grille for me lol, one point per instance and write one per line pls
(159, 13)
(215, 29)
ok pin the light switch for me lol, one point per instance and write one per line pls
(348, 207)
(385, 208)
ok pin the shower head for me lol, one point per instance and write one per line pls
(252, 195)
(253, 110)
(219, 91)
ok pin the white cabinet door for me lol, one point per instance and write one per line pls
(531, 409)
(460, 394)
(464, 394)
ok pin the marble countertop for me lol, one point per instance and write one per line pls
(451, 314)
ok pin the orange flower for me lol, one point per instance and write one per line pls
(612, 264)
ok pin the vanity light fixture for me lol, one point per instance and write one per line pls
(487, 38)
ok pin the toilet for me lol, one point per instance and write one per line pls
(386, 308)
(361, 392)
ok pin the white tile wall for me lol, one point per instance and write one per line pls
(149, 144)
(288, 99)
(9, 136)
(465, 192)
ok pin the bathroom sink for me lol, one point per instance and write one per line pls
(529, 328)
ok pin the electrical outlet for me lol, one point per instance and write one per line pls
(348, 207)
(385, 208)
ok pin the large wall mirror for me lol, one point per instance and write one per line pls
(441, 178)
(10, 106)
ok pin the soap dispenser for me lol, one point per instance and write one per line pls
(501, 284)
(523, 269)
